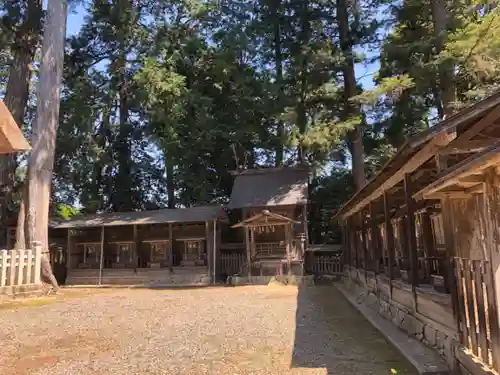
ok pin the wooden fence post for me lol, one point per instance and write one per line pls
(38, 261)
(29, 266)
(12, 268)
(3, 267)
(20, 267)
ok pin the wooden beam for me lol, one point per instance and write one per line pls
(170, 247)
(468, 146)
(101, 260)
(415, 161)
(136, 248)
(389, 235)
(410, 234)
(478, 126)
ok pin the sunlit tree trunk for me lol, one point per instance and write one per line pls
(355, 137)
(41, 161)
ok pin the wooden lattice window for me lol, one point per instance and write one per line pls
(91, 252)
(124, 252)
(438, 231)
(159, 251)
(192, 250)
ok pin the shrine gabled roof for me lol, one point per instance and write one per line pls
(11, 137)
(269, 187)
(176, 215)
(264, 218)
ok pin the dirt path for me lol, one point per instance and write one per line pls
(243, 330)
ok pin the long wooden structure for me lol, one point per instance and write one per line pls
(150, 247)
(423, 237)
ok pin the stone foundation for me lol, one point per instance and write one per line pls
(20, 291)
(182, 276)
(265, 280)
(404, 314)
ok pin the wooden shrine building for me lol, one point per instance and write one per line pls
(422, 238)
(149, 247)
(272, 204)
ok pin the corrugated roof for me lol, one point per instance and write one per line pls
(272, 187)
(178, 215)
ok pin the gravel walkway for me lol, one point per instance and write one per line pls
(242, 330)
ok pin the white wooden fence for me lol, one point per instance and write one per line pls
(20, 267)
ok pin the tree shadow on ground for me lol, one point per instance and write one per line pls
(332, 335)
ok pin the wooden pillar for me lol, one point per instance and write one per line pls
(68, 251)
(374, 240)
(427, 235)
(249, 249)
(209, 247)
(410, 231)
(136, 248)
(491, 214)
(214, 254)
(170, 247)
(288, 242)
(363, 241)
(389, 235)
(306, 228)
(101, 260)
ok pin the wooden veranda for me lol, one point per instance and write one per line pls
(421, 235)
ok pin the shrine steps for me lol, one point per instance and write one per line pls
(180, 276)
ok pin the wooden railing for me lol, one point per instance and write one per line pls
(478, 315)
(324, 263)
(269, 249)
(20, 267)
(230, 263)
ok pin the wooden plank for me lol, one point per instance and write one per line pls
(101, 258)
(170, 247)
(389, 233)
(479, 126)
(481, 312)
(492, 315)
(20, 268)
(29, 267)
(364, 245)
(415, 162)
(3, 270)
(248, 251)
(68, 250)
(410, 231)
(13, 267)
(461, 305)
(471, 314)
(471, 146)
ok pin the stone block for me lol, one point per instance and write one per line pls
(430, 335)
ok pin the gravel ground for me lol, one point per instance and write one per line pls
(240, 330)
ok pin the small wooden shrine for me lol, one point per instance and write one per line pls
(272, 204)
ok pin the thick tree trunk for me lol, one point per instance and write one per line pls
(41, 161)
(350, 90)
(21, 230)
(278, 61)
(16, 98)
(301, 105)
(446, 70)
(169, 169)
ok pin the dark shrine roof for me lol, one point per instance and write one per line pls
(269, 187)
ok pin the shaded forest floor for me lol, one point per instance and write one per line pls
(240, 330)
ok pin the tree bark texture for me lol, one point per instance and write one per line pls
(41, 161)
(355, 136)
(446, 74)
